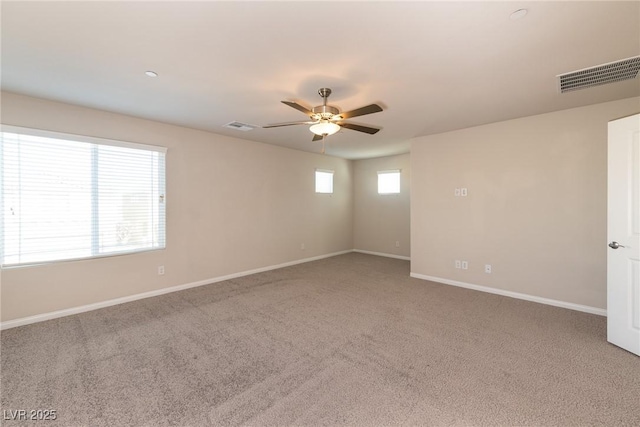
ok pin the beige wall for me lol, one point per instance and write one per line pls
(381, 220)
(536, 208)
(232, 206)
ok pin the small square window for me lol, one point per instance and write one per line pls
(389, 182)
(324, 181)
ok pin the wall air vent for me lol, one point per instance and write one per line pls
(612, 72)
(240, 126)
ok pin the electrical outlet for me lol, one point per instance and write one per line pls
(487, 268)
(397, 244)
(465, 265)
(161, 270)
(302, 246)
(463, 192)
(458, 264)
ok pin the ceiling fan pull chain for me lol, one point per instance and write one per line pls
(324, 137)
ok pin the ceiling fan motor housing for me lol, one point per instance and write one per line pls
(324, 112)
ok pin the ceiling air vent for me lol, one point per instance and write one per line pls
(240, 126)
(612, 72)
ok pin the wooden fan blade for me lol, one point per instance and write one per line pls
(369, 109)
(277, 125)
(298, 107)
(359, 128)
(316, 138)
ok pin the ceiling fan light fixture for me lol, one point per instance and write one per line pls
(325, 127)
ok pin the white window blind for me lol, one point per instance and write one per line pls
(324, 181)
(389, 181)
(71, 197)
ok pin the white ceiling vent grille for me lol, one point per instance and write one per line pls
(240, 126)
(612, 72)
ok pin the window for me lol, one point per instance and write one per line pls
(389, 182)
(324, 181)
(69, 197)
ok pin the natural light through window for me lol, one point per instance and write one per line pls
(389, 182)
(324, 181)
(69, 197)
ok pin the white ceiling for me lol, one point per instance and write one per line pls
(432, 66)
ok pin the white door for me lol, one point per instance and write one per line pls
(623, 260)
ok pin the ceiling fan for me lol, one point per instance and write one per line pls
(326, 119)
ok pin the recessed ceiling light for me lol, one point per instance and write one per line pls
(151, 73)
(518, 14)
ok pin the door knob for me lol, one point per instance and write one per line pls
(615, 245)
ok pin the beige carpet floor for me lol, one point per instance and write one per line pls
(349, 340)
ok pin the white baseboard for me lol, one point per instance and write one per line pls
(89, 307)
(526, 297)
(406, 258)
